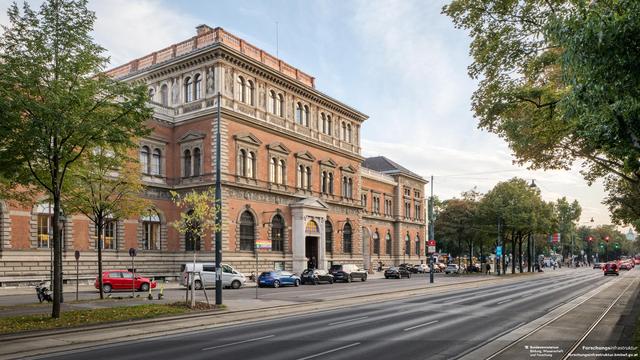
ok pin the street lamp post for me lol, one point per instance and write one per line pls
(218, 199)
(431, 231)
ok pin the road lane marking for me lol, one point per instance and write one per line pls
(421, 325)
(504, 301)
(238, 342)
(329, 351)
(346, 321)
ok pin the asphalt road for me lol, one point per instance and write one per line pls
(439, 326)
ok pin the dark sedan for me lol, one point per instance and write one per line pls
(311, 276)
(397, 272)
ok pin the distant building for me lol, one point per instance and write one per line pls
(292, 173)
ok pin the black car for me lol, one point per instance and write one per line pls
(410, 268)
(397, 272)
(347, 273)
(315, 276)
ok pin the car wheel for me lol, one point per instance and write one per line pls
(315, 282)
(364, 278)
(198, 284)
(276, 284)
(235, 284)
(296, 283)
(386, 277)
(144, 287)
(349, 279)
(408, 276)
(330, 281)
(106, 288)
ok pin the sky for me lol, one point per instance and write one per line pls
(401, 62)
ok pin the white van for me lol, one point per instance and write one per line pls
(230, 277)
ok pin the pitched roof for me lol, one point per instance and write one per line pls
(388, 166)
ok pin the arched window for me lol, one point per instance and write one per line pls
(197, 93)
(164, 95)
(328, 236)
(350, 188)
(324, 123)
(349, 133)
(308, 179)
(250, 97)
(281, 172)
(251, 164)
(376, 243)
(407, 245)
(151, 231)
(331, 183)
(344, 186)
(299, 113)
(329, 131)
(241, 93)
(247, 231)
(324, 179)
(196, 162)
(187, 163)
(145, 164)
(242, 163)
(306, 116)
(155, 162)
(346, 239)
(311, 227)
(188, 90)
(387, 244)
(280, 105)
(277, 233)
(191, 238)
(273, 100)
(272, 170)
(151, 93)
(300, 177)
(417, 244)
(344, 132)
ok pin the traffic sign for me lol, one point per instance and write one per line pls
(498, 250)
(556, 238)
(263, 244)
(431, 246)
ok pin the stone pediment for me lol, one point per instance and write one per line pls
(248, 138)
(279, 147)
(348, 168)
(192, 136)
(305, 155)
(311, 202)
(329, 163)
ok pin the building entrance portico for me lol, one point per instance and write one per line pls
(308, 235)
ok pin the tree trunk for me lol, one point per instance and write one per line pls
(520, 252)
(100, 225)
(57, 254)
(513, 252)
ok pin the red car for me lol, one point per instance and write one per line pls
(611, 269)
(123, 280)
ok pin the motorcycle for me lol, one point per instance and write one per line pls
(43, 292)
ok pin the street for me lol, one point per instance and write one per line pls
(439, 326)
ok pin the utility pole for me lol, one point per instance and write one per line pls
(431, 231)
(218, 210)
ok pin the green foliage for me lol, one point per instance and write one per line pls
(559, 82)
(199, 217)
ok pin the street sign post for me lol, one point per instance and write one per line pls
(133, 253)
(498, 251)
(261, 244)
(431, 248)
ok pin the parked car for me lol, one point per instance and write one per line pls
(410, 268)
(452, 269)
(206, 276)
(441, 266)
(626, 266)
(278, 278)
(422, 268)
(347, 272)
(397, 272)
(473, 268)
(123, 280)
(316, 276)
(611, 269)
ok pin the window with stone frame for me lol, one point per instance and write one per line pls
(282, 172)
(348, 139)
(44, 230)
(151, 231)
(188, 90)
(109, 234)
(145, 159)
(376, 243)
(278, 154)
(417, 246)
(407, 209)
(241, 89)
(327, 167)
(247, 231)
(347, 241)
(388, 244)
(273, 102)
(363, 201)
(250, 96)
(306, 116)
(190, 149)
(304, 163)
(328, 236)
(277, 233)
(197, 87)
(280, 105)
(417, 213)
(186, 166)
(164, 95)
(407, 244)
(247, 156)
(156, 162)
(197, 162)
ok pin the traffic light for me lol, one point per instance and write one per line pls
(589, 238)
(606, 238)
(602, 245)
(616, 246)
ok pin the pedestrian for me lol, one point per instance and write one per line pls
(379, 265)
(488, 267)
(312, 262)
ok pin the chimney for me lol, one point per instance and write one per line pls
(202, 29)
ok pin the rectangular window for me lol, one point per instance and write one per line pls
(44, 222)
(151, 235)
(108, 235)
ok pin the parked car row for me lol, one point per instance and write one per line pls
(339, 272)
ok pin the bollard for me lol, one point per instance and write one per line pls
(150, 297)
(160, 295)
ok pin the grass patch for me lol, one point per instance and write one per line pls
(88, 317)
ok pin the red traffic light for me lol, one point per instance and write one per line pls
(590, 238)
(606, 238)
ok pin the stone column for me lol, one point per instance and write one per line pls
(322, 243)
(297, 241)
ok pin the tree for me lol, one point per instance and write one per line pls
(567, 214)
(55, 102)
(559, 82)
(105, 185)
(197, 220)
(455, 225)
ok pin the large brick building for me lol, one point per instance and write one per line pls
(291, 168)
